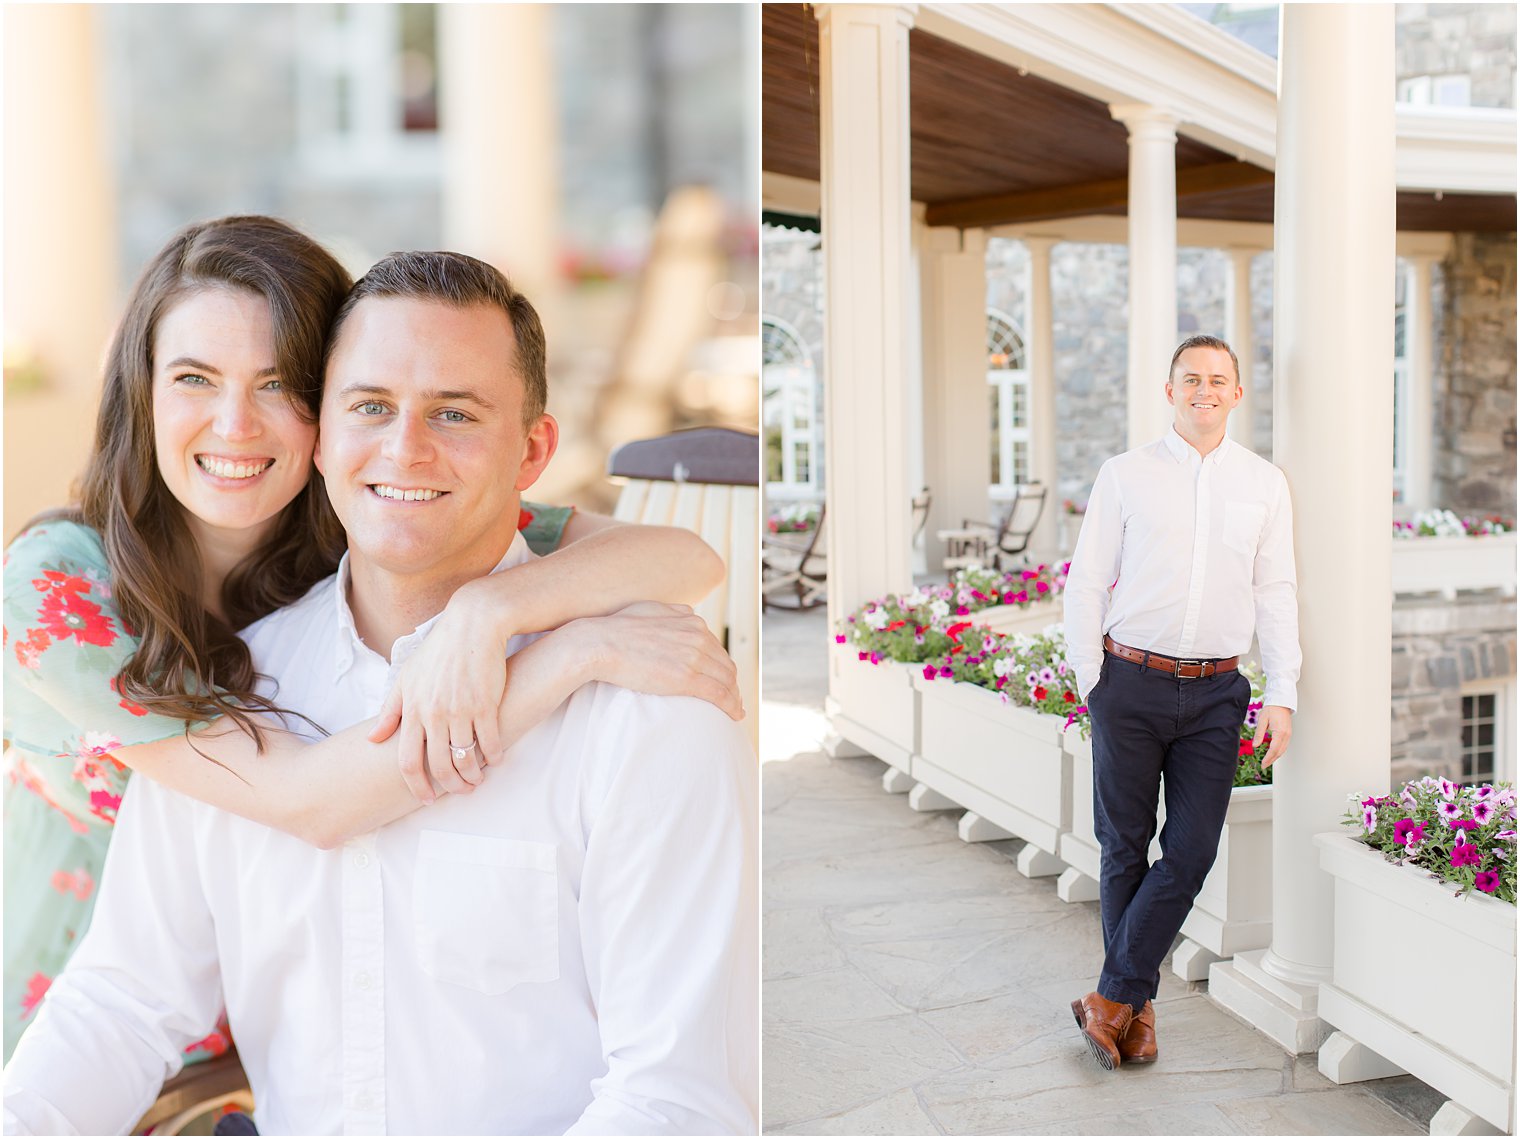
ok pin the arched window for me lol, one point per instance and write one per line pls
(790, 385)
(1008, 394)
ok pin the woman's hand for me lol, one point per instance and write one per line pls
(448, 692)
(664, 650)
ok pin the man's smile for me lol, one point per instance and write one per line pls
(405, 494)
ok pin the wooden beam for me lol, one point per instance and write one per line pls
(1082, 198)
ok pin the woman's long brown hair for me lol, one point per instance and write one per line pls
(190, 664)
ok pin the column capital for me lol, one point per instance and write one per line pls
(904, 14)
(1145, 121)
(1040, 244)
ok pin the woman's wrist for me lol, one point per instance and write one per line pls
(483, 604)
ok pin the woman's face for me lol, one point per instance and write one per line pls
(230, 445)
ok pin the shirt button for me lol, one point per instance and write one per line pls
(361, 860)
(361, 980)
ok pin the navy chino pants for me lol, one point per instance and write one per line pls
(1146, 724)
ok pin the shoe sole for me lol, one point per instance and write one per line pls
(1100, 1054)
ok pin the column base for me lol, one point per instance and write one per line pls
(1286, 1013)
(926, 798)
(1454, 1119)
(1036, 863)
(1348, 1061)
(1192, 962)
(974, 828)
(835, 746)
(1074, 886)
(895, 781)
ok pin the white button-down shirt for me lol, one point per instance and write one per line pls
(572, 946)
(1187, 555)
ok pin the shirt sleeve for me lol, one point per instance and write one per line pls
(66, 642)
(668, 923)
(1274, 586)
(1094, 569)
(543, 526)
(143, 985)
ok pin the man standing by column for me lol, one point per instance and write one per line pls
(1185, 550)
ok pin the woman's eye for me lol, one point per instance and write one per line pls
(274, 386)
(190, 379)
(370, 407)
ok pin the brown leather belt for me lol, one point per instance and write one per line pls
(1182, 669)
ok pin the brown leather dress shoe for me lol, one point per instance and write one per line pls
(1138, 1044)
(1102, 1022)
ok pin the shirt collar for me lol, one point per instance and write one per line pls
(350, 645)
(1183, 451)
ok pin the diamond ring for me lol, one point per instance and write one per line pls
(461, 752)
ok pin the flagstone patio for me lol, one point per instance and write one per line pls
(917, 984)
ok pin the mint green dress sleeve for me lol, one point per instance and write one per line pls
(543, 526)
(64, 643)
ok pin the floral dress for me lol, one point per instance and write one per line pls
(64, 643)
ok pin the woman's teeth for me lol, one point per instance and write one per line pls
(405, 495)
(224, 469)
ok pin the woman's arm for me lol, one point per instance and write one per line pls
(452, 684)
(345, 785)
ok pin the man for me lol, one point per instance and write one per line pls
(572, 947)
(1186, 549)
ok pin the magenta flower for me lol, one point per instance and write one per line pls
(864, 656)
(875, 658)
(961, 611)
(1483, 811)
(1404, 828)
(1483, 792)
(1465, 854)
(988, 644)
(1449, 811)
(1487, 881)
(1369, 819)
(839, 638)
(946, 670)
(1008, 598)
(1462, 824)
(1030, 575)
(930, 672)
(1041, 587)
(1449, 789)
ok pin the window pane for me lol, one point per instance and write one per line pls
(1486, 705)
(997, 455)
(1486, 735)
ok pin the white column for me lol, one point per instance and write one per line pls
(61, 284)
(1242, 339)
(1152, 264)
(1044, 544)
(953, 276)
(863, 103)
(1419, 342)
(500, 188)
(1334, 257)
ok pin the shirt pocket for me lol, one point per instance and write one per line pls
(486, 910)
(1242, 526)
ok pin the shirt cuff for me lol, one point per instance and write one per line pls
(1281, 695)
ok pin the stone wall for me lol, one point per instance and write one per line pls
(1475, 378)
(1437, 647)
(1453, 39)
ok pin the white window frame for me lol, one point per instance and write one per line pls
(1449, 90)
(1004, 381)
(797, 382)
(362, 50)
(1401, 382)
(1502, 689)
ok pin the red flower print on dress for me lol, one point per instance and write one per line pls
(69, 615)
(79, 883)
(213, 1044)
(30, 647)
(104, 805)
(524, 518)
(53, 581)
(126, 702)
(36, 988)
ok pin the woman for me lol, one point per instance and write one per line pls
(121, 653)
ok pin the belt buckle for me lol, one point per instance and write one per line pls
(1178, 665)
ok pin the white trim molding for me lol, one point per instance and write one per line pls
(1467, 150)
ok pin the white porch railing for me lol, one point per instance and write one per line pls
(1445, 565)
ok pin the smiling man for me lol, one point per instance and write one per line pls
(570, 948)
(1186, 551)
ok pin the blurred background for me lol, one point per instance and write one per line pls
(604, 156)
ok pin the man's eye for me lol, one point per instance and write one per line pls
(449, 415)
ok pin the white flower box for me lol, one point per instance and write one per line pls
(1423, 565)
(1233, 910)
(1035, 617)
(874, 706)
(1422, 979)
(1002, 762)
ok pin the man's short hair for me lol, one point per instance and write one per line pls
(461, 281)
(1203, 340)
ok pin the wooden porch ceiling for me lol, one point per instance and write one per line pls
(990, 146)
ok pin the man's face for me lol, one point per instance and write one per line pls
(422, 441)
(1203, 388)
